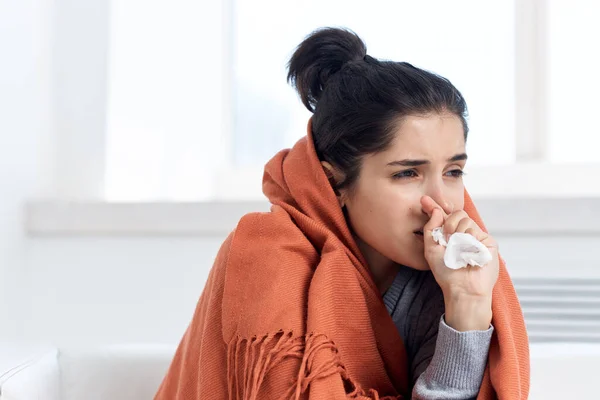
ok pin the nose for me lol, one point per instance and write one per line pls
(435, 190)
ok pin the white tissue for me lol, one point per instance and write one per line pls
(438, 236)
(462, 249)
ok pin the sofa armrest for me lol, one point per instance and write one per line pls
(28, 373)
(124, 372)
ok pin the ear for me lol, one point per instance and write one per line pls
(334, 177)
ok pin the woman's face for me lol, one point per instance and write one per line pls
(427, 157)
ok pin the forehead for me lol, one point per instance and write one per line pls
(428, 136)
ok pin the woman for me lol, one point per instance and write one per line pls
(341, 292)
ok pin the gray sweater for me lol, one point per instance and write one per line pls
(444, 363)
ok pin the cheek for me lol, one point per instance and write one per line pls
(395, 203)
(380, 213)
(384, 205)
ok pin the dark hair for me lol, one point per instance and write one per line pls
(358, 100)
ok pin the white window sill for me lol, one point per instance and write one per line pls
(149, 218)
(514, 216)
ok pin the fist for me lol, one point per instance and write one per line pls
(470, 282)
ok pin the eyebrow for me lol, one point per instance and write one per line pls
(416, 163)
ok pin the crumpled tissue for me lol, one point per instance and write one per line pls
(462, 249)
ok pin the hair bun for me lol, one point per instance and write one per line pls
(323, 53)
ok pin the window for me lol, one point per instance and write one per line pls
(198, 98)
(573, 81)
(470, 42)
(165, 99)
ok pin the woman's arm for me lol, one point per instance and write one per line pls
(451, 364)
(465, 332)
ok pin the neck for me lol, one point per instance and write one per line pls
(382, 268)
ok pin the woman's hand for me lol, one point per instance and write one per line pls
(467, 291)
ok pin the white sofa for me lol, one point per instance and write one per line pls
(558, 371)
(113, 372)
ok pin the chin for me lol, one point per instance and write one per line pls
(418, 263)
(420, 267)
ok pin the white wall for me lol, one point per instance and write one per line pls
(114, 290)
(47, 103)
(26, 128)
(79, 67)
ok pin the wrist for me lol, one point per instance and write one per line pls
(468, 313)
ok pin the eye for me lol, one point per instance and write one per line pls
(409, 173)
(456, 173)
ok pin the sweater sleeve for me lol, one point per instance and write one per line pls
(451, 364)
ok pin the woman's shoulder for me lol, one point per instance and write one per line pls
(269, 243)
(269, 265)
(268, 234)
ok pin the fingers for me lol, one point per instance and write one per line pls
(461, 222)
(453, 221)
(435, 221)
(465, 224)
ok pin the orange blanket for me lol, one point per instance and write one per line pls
(290, 310)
